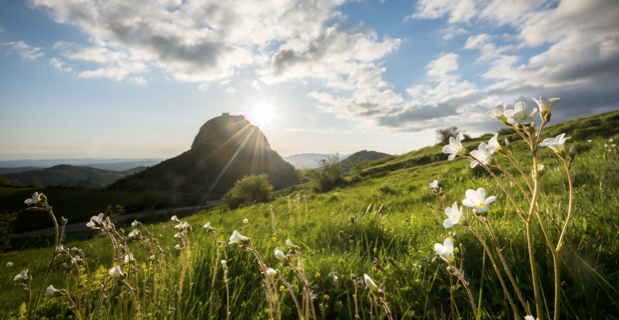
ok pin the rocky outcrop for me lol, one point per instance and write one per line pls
(225, 149)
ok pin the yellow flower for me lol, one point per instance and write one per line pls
(282, 288)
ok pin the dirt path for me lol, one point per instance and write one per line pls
(81, 226)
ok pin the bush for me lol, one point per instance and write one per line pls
(327, 176)
(249, 190)
(443, 135)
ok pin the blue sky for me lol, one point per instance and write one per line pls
(137, 79)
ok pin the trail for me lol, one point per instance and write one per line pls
(81, 226)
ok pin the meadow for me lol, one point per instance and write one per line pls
(383, 222)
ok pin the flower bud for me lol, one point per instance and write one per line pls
(63, 220)
(546, 116)
(508, 145)
(572, 153)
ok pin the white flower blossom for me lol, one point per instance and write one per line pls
(494, 142)
(557, 144)
(36, 197)
(530, 318)
(454, 215)
(272, 272)
(454, 147)
(245, 221)
(545, 104)
(175, 219)
(129, 258)
(50, 290)
(135, 223)
(482, 154)
(497, 114)
(134, 234)
(370, 283)
(23, 275)
(445, 250)
(95, 221)
(183, 225)
(153, 257)
(279, 255)
(9, 264)
(433, 184)
(289, 244)
(224, 263)
(521, 113)
(477, 199)
(116, 272)
(178, 247)
(237, 238)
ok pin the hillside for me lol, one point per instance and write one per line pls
(225, 149)
(68, 175)
(361, 158)
(380, 224)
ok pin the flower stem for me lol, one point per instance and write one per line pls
(514, 180)
(294, 298)
(210, 299)
(51, 263)
(502, 258)
(457, 273)
(496, 269)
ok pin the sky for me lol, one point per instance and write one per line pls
(137, 79)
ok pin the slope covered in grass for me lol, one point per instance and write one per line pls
(381, 224)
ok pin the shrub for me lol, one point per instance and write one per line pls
(251, 189)
(443, 135)
(327, 176)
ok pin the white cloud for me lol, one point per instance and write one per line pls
(206, 41)
(58, 64)
(24, 50)
(458, 11)
(256, 84)
(230, 90)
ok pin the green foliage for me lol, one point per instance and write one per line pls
(326, 176)
(6, 228)
(249, 190)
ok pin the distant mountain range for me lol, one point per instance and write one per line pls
(225, 149)
(310, 160)
(8, 166)
(68, 175)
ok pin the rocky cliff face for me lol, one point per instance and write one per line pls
(225, 149)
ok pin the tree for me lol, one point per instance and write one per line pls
(249, 190)
(443, 134)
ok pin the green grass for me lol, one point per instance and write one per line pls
(379, 223)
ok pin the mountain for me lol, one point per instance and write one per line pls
(107, 164)
(225, 149)
(19, 169)
(310, 160)
(359, 157)
(68, 175)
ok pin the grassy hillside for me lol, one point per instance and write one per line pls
(380, 224)
(68, 175)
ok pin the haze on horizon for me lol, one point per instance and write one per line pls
(136, 79)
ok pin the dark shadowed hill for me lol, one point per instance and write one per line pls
(68, 175)
(361, 157)
(225, 149)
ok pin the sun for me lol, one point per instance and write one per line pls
(262, 114)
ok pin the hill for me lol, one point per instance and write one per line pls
(68, 175)
(309, 160)
(18, 169)
(225, 149)
(362, 158)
